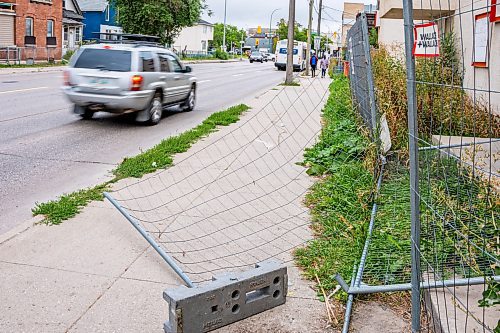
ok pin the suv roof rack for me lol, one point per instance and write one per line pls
(122, 38)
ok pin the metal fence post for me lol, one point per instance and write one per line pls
(413, 145)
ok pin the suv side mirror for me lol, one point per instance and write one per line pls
(188, 69)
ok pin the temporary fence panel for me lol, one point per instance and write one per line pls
(234, 199)
(453, 108)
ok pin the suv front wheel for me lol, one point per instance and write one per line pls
(155, 110)
(190, 101)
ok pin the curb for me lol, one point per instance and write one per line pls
(209, 61)
(26, 70)
(19, 229)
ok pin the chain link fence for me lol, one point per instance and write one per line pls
(436, 205)
(361, 74)
(454, 100)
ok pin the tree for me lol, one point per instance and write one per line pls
(373, 38)
(300, 33)
(233, 35)
(162, 18)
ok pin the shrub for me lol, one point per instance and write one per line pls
(219, 54)
(443, 106)
(67, 56)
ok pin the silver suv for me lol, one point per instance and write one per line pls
(124, 78)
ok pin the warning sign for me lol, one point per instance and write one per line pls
(426, 40)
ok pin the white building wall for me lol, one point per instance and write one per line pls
(391, 33)
(477, 77)
(194, 38)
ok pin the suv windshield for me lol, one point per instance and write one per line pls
(256, 53)
(109, 60)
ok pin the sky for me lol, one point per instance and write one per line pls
(252, 13)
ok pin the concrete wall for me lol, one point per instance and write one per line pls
(191, 38)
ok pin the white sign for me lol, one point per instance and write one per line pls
(426, 42)
(317, 43)
(481, 41)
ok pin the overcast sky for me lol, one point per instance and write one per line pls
(251, 13)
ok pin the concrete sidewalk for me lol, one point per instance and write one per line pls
(95, 273)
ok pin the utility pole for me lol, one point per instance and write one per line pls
(309, 27)
(319, 16)
(291, 37)
(224, 48)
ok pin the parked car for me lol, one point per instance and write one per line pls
(125, 78)
(265, 57)
(256, 56)
(271, 56)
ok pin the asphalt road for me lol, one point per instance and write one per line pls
(45, 150)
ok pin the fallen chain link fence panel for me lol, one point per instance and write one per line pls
(234, 199)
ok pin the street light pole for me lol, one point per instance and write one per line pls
(270, 33)
(224, 36)
(241, 45)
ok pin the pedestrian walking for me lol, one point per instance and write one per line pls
(314, 63)
(323, 64)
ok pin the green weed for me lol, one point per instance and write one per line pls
(158, 157)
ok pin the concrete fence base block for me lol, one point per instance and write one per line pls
(227, 299)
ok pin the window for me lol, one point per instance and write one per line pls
(175, 66)
(50, 28)
(29, 26)
(111, 60)
(203, 45)
(65, 35)
(164, 64)
(284, 51)
(107, 13)
(204, 29)
(78, 35)
(148, 62)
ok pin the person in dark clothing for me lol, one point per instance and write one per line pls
(314, 64)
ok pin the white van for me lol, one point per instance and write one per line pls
(299, 55)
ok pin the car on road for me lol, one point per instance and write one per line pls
(265, 56)
(256, 56)
(271, 56)
(128, 78)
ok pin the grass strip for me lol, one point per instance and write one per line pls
(158, 157)
(340, 204)
(338, 201)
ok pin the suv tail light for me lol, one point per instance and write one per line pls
(136, 83)
(66, 77)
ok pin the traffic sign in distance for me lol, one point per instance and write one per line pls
(426, 42)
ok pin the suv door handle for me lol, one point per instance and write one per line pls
(177, 78)
(163, 78)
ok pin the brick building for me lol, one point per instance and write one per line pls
(34, 26)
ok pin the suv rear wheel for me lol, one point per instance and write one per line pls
(83, 112)
(155, 110)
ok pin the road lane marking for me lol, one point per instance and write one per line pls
(235, 75)
(204, 81)
(21, 90)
